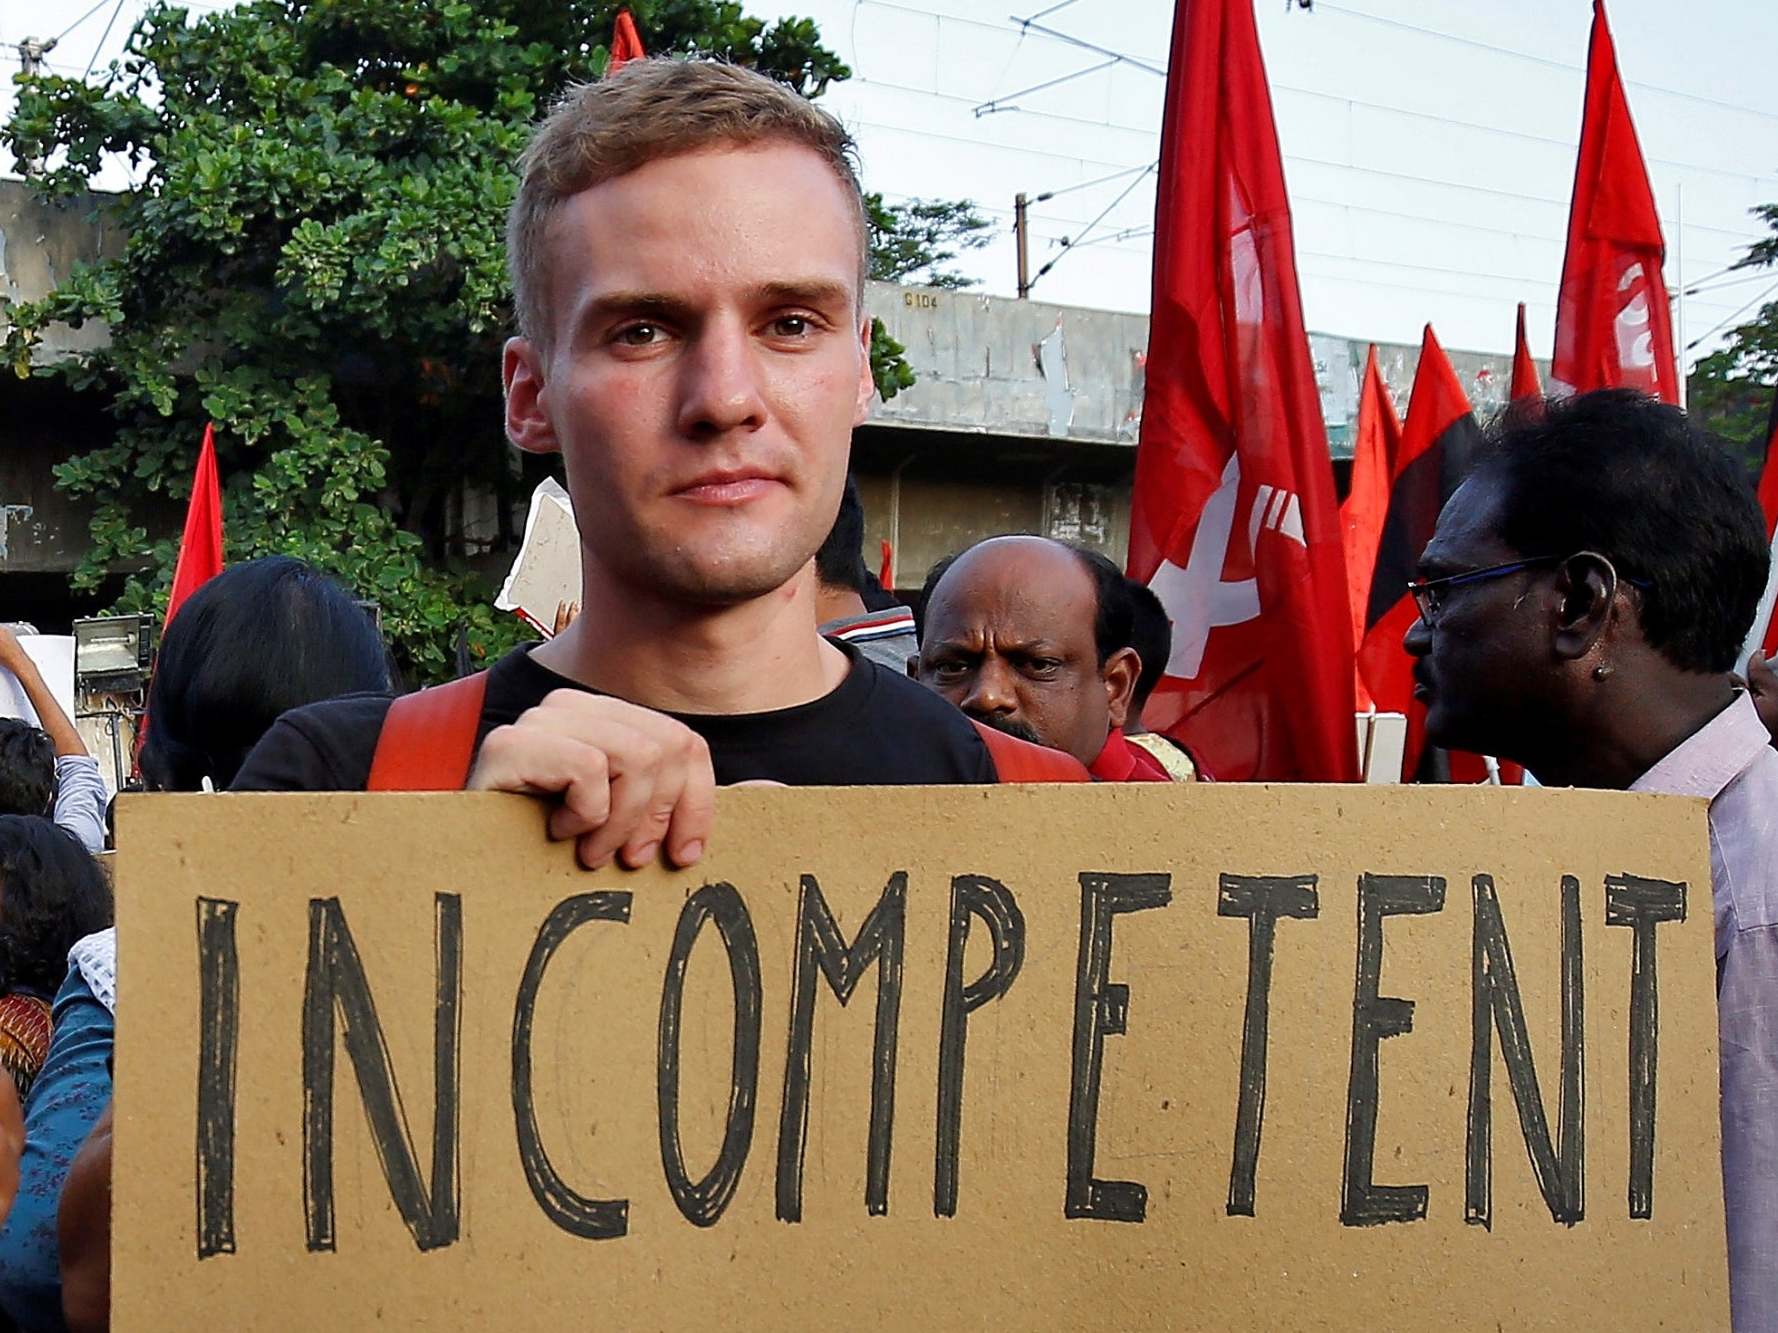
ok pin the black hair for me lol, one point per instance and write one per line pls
(840, 561)
(1151, 635)
(259, 639)
(1114, 612)
(27, 769)
(1617, 472)
(52, 894)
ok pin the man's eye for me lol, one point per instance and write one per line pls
(639, 335)
(791, 326)
(948, 668)
(1042, 666)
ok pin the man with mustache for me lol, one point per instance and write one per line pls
(1583, 601)
(687, 250)
(1032, 637)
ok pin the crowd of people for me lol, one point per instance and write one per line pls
(700, 370)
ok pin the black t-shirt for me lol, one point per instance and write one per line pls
(877, 728)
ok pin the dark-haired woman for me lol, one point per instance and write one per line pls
(259, 639)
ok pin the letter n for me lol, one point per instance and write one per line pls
(336, 982)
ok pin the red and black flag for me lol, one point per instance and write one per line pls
(1438, 443)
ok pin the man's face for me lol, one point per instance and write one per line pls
(1481, 665)
(1009, 640)
(706, 366)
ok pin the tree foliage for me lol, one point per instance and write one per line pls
(314, 262)
(915, 241)
(1730, 391)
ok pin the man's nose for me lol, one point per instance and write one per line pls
(990, 693)
(1418, 639)
(720, 382)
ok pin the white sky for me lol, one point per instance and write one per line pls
(1429, 144)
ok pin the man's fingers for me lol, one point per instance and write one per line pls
(632, 793)
(1761, 678)
(536, 762)
(688, 833)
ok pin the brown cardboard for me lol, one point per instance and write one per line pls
(1011, 1255)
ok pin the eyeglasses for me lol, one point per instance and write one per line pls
(1429, 594)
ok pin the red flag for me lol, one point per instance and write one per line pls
(1233, 520)
(1361, 516)
(1613, 327)
(626, 43)
(1764, 635)
(1437, 444)
(200, 548)
(886, 569)
(1526, 386)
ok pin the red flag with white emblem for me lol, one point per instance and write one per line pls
(1613, 327)
(1764, 636)
(1233, 519)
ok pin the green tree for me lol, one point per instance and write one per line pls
(314, 262)
(913, 242)
(1729, 392)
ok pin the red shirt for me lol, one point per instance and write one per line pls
(1121, 761)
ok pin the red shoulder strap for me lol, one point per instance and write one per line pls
(1020, 761)
(428, 738)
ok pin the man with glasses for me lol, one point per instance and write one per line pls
(1582, 603)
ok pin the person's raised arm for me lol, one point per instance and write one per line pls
(50, 716)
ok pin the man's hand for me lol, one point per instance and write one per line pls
(12, 653)
(630, 780)
(1762, 684)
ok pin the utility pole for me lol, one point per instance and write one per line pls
(31, 52)
(1018, 231)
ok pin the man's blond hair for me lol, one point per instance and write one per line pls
(648, 110)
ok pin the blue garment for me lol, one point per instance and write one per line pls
(65, 1103)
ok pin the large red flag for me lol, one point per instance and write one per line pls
(1613, 327)
(1438, 442)
(200, 548)
(1377, 443)
(626, 43)
(1526, 386)
(1233, 521)
(1765, 626)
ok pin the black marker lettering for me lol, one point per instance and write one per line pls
(992, 901)
(1560, 1168)
(336, 980)
(1374, 1017)
(219, 1035)
(702, 1202)
(575, 1213)
(1101, 1009)
(1642, 904)
(820, 948)
(1262, 899)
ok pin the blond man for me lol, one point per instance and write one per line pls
(688, 257)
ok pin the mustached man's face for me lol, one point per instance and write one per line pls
(706, 366)
(1009, 640)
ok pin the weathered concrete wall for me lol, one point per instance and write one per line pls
(1015, 368)
(39, 246)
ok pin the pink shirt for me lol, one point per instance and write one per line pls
(1730, 761)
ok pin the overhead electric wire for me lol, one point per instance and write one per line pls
(109, 23)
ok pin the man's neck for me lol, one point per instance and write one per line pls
(1632, 727)
(751, 657)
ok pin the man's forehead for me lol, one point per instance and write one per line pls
(1468, 530)
(1022, 586)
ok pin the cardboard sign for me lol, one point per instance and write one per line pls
(1110, 1057)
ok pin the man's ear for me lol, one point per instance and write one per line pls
(527, 422)
(1586, 586)
(1119, 674)
(913, 665)
(867, 383)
